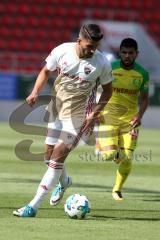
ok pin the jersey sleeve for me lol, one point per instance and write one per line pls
(51, 60)
(145, 84)
(106, 75)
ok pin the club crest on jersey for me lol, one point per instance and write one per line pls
(87, 70)
(137, 82)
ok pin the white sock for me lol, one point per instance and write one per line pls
(48, 182)
(64, 177)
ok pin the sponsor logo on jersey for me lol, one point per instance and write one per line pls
(125, 90)
(117, 74)
(87, 70)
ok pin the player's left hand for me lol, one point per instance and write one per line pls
(136, 121)
(32, 99)
(89, 123)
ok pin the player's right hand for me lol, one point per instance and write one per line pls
(32, 99)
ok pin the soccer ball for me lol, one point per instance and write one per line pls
(77, 206)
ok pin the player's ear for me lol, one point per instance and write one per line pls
(78, 40)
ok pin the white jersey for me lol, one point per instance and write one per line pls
(77, 77)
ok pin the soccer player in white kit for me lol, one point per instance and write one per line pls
(81, 67)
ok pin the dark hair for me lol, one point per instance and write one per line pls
(129, 43)
(91, 32)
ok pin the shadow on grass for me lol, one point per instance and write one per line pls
(107, 214)
(152, 200)
(104, 218)
(99, 188)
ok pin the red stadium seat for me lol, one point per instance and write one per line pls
(28, 33)
(62, 11)
(48, 11)
(146, 16)
(25, 45)
(123, 4)
(121, 16)
(4, 32)
(54, 35)
(12, 8)
(57, 23)
(7, 20)
(76, 2)
(37, 9)
(13, 45)
(38, 46)
(154, 27)
(2, 8)
(77, 13)
(150, 5)
(24, 8)
(136, 4)
(99, 14)
(17, 33)
(20, 21)
(42, 33)
(44, 22)
(156, 16)
(88, 3)
(66, 35)
(112, 4)
(102, 3)
(74, 12)
(32, 21)
(49, 46)
(3, 44)
(4, 66)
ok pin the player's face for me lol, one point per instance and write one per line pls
(128, 56)
(86, 48)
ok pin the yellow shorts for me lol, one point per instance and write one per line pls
(113, 139)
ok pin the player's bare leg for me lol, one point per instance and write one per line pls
(48, 182)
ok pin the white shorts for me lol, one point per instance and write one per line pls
(66, 131)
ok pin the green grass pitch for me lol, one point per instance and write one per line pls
(137, 217)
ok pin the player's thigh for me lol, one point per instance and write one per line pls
(108, 141)
(108, 135)
(53, 132)
(128, 143)
(71, 131)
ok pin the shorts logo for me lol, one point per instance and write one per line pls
(69, 136)
(87, 70)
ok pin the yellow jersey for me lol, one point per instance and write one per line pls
(127, 85)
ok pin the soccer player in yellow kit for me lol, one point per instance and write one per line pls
(121, 118)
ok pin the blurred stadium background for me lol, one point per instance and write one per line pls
(30, 30)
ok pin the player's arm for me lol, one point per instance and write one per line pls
(144, 101)
(104, 98)
(42, 78)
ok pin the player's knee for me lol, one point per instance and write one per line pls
(60, 152)
(125, 167)
(48, 151)
(126, 162)
(126, 155)
(109, 155)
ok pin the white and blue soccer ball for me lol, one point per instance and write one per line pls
(77, 206)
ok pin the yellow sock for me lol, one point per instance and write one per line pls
(122, 174)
